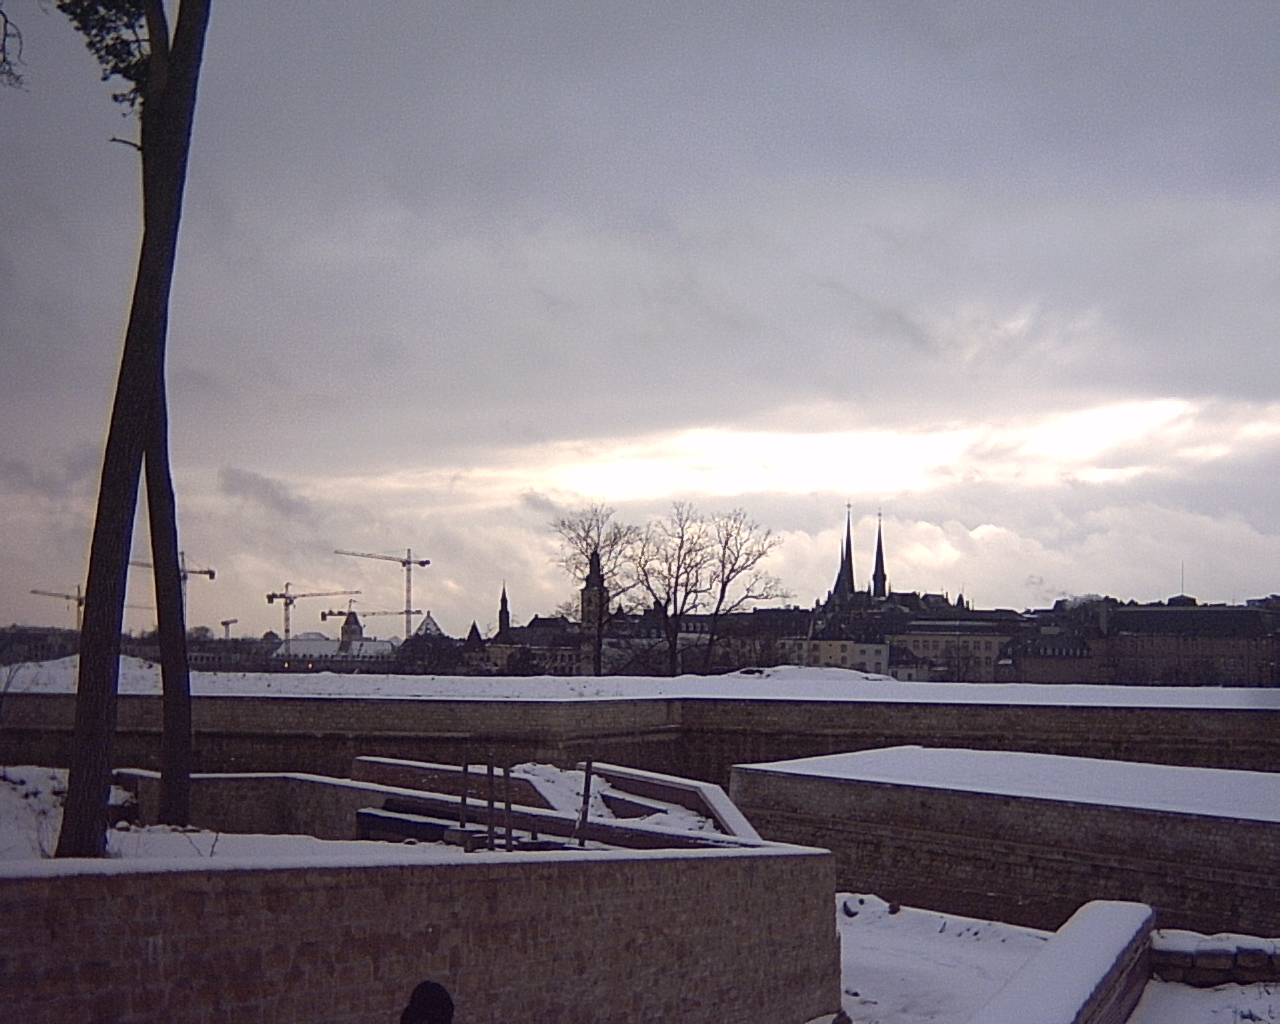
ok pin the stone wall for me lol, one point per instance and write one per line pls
(1022, 860)
(694, 737)
(745, 936)
(1205, 961)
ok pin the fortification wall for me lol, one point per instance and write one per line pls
(589, 939)
(1023, 860)
(694, 737)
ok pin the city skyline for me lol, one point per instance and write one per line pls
(1008, 272)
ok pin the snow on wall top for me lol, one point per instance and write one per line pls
(1060, 980)
(1213, 792)
(782, 683)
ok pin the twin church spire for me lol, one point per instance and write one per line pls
(845, 587)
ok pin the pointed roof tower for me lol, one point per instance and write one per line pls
(879, 588)
(595, 575)
(504, 611)
(844, 586)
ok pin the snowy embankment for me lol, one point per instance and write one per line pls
(781, 683)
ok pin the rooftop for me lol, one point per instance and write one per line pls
(1210, 792)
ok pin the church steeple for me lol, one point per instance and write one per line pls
(879, 582)
(504, 612)
(844, 586)
(594, 604)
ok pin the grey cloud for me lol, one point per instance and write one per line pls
(54, 480)
(454, 228)
(540, 505)
(271, 495)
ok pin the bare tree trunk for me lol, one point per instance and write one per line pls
(175, 743)
(671, 628)
(167, 113)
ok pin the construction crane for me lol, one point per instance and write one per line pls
(77, 599)
(226, 625)
(408, 562)
(184, 573)
(331, 614)
(288, 597)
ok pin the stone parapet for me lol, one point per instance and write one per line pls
(584, 938)
(1209, 960)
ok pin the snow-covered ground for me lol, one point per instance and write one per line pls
(908, 966)
(899, 965)
(1170, 1003)
(31, 815)
(562, 789)
(1215, 792)
(782, 683)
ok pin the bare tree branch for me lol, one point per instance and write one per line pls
(672, 564)
(593, 528)
(736, 577)
(10, 52)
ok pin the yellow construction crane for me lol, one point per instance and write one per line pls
(408, 562)
(288, 597)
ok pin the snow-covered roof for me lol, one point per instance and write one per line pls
(322, 649)
(1214, 792)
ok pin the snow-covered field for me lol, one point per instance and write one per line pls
(899, 965)
(782, 683)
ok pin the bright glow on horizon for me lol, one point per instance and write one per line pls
(1100, 445)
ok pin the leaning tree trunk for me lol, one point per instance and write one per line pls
(162, 513)
(167, 112)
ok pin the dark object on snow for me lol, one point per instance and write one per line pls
(429, 1004)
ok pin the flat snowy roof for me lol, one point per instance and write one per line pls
(1214, 792)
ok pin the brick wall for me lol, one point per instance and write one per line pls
(696, 737)
(599, 938)
(1026, 861)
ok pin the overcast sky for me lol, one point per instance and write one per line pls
(1006, 270)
